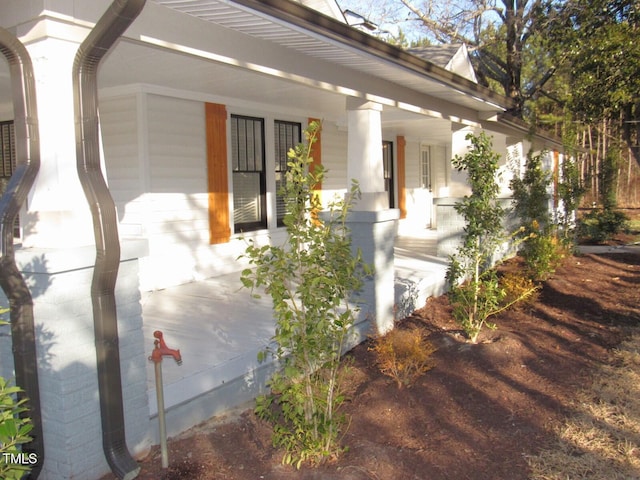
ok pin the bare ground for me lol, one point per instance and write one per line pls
(478, 414)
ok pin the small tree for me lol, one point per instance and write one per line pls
(530, 193)
(571, 189)
(475, 292)
(311, 280)
(600, 225)
(540, 248)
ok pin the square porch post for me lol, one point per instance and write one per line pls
(373, 225)
(57, 258)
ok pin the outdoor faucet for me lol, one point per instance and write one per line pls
(162, 350)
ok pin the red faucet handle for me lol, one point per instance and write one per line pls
(160, 339)
(161, 350)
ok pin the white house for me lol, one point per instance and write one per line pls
(197, 102)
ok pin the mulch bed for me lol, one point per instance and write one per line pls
(476, 415)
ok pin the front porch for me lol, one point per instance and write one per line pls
(220, 329)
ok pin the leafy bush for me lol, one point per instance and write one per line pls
(14, 429)
(530, 195)
(571, 189)
(540, 247)
(542, 253)
(474, 291)
(518, 288)
(601, 225)
(475, 301)
(404, 355)
(311, 280)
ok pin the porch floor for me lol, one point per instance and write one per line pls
(220, 329)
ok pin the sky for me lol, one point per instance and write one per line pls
(383, 14)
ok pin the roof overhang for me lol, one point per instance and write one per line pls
(542, 140)
(267, 52)
(321, 38)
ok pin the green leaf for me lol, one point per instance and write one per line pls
(307, 280)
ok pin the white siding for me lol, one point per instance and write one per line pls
(412, 165)
(175, 207)
(440, 171)
(120, 133)
(334, 159)
(155, 155)
(177, 148)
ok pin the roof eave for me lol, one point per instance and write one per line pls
(535, 132)
(308, 19)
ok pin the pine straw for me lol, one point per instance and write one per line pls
(601, 440)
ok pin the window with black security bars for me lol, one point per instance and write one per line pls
(389, 180)
(8, 162)
(287, 136)
(248, 166)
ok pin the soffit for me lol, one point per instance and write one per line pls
(334, 42)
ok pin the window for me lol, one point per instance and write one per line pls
(425, 168)
(7, 152)
(287, 135)
(248, 164)
(387, 159)
(7, 161)
(515, 160)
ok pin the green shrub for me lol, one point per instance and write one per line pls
(531, 196)
(571, 189)
(14, 429)
(474, 291)
(601, 225)
(542, 253)
(540, 248)
(311, 280)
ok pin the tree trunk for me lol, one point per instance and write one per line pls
(514, 13)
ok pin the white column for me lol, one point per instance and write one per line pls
(57, 258)
(57, 212)
(364, 153)
(458, 185)
(373, 225)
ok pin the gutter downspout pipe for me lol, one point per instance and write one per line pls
(23, 332)
(104, 35)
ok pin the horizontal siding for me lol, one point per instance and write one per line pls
(118, 121)
(120, 138)
(177, 148)
(334, 160)
(439, 167)
(175, 209)
(412, 165)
